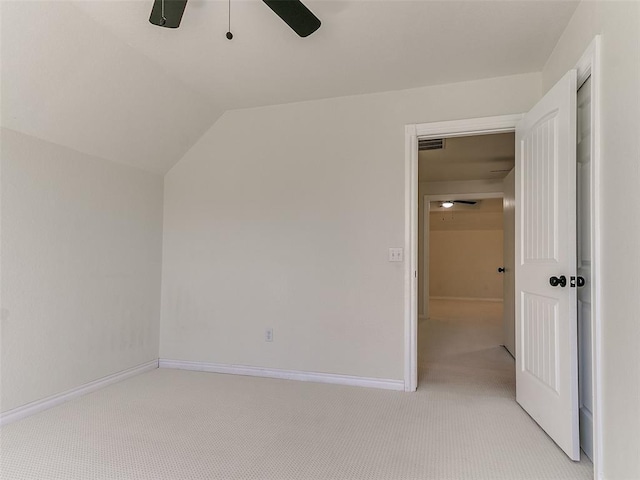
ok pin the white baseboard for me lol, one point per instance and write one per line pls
(467, 299)
(38, 406)
(334, 378)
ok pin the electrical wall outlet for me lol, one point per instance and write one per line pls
(268, 335)
(396, 254)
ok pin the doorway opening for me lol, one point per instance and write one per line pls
(463, 323)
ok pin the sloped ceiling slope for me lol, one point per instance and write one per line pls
(68, 80)
(97, 77)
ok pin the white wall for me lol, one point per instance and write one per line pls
(465, 251)
(619, 24)
(282, 216)
(465, 186)
(81, 264)
(464, 264)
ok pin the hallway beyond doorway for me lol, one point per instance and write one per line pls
(460, 348)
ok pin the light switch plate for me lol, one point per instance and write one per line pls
(396, 254)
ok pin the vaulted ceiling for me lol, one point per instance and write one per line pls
(97, 77)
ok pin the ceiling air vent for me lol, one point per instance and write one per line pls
(430, 144)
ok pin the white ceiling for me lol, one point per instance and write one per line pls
(68, 80)
(98, 77)
(477, 157)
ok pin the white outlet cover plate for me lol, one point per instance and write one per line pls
(396, 254)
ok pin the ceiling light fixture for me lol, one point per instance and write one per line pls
(447, 204)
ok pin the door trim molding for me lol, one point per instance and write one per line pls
(470, 126)
(453, 128)
(411, 258)
(589, 66)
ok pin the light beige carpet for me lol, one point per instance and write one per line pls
(463, 423)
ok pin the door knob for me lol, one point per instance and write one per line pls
(500, 269)
(555, 281)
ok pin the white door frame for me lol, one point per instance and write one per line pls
(426, 210)
(454, 128)
(588, 65)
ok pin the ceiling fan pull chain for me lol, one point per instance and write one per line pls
(292, 12)
(229, 34)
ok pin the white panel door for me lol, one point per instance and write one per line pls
(509, 229)
(546, 315)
